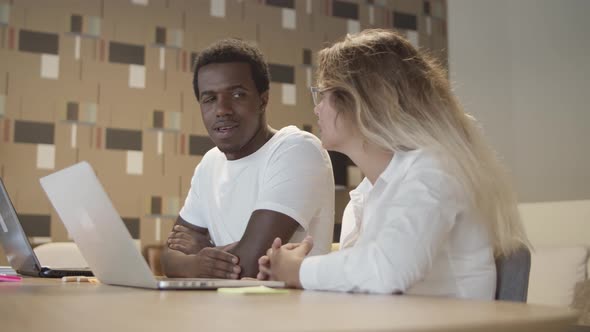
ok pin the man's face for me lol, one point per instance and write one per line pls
(231, 107)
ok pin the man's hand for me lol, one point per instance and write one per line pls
(187, 241)
(214, 263)
(190, 254)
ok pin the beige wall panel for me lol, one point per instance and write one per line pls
(408, 6)
(153, 164)
(3, 79)
(150, 143)
(124, 190)
(155, 76)
(285, 46)
(164, 186)
(13, 106)
(170, 18)
(126, 23)
(40, 100)
(184, 166)
(70, 7)
(28, 64)
(43, 17)
(179, 81)
(125, 107)
(17, 14)
(333, 28)
(65, 154)
(147, 231)
(114, 75)
(75, 91)
(21, 177)
(219, 29)
(70, 68)
(192, 113)
(268, 17)
(58, 230)
(85, 138)
(159, 100)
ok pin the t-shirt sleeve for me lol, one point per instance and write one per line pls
(190, 211)
(297, 180)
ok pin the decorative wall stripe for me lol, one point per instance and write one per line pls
(36, 225)
(307, 56)
(353, 26)
(162, 58)
(158, 232)
(133, 226)
(74, 136)
(33, 132)
(126, 53)
(281, 3)
(11, 38)
(137, 76)
(163, 206)
(156, 205)
(123, 139)
(4, 13)
(45, 156)
(281, 73)
(134, 162)
(199, 145)
(345, 9)
(217, 8)
(49, 66)
(77, 46)
(76, 23)
(160, 143)
(288, 94)
(99, 136)
(38, 42)
(288, 18)
(405, 21)
(160, 35)
(182, 144)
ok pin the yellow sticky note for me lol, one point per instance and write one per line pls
(252, 290)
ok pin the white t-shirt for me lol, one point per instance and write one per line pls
(413, 232)
(290, 174)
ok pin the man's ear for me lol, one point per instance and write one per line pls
(263, 101)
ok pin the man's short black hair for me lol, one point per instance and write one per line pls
(234, 50)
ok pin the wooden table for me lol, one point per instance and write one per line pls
(46, 305)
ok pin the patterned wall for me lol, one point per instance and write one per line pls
(110, 82)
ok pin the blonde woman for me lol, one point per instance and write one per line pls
(435, 207)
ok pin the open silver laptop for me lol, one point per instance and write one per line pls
(90, 218)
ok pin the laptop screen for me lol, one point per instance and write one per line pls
(12, 237)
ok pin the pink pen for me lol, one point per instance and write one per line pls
(4, 277)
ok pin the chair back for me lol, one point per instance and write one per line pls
(512, 281)
(60, 255)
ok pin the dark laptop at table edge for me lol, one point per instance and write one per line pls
(17, 248)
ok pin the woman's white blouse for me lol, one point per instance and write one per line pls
(414, 231)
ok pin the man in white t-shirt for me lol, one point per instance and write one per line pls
(256, 184)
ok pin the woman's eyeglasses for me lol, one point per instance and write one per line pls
(317, 94)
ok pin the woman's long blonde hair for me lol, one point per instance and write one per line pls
(402, 101)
